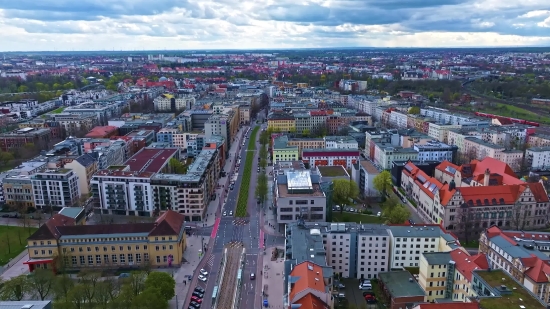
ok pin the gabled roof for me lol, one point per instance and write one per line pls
(169, 223)
(446, 167)
(539, 270)
(49, 231)
(311, 301)
(310, 276)
(494, 166)
(465, 263)
(509, 194)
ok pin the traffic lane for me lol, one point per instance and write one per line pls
(248, 291)
(208, 286)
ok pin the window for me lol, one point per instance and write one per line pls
(80, 249)
(138, 258)
(96, 249)
(170, 247)
(104, 249)
(137, 247)
(98, 259)
(121, 248)
(158, 259)
(157, 248)
(163, 248)
(82, 260)
(146, 257)
(114, 259)
(106, 258)
(73, 260)
(36, 252)
(145, 247)
(165, 259)
(122, 259)
(129, 248)
(90, 260)
(112, 248)
(89, 249)
(130, 258)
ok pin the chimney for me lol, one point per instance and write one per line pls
(486, 178)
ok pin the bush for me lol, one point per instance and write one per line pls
(242, 201)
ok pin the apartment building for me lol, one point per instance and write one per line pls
(351, 250)
(226, 125)
(386, 153)
(330, 157)
(310, 143)
(21, 137)
(340, 142)
(521, 254)
(436, 151)
(283, 150)
(538, 140)
(364, 173)
(18, 191)
(244, 113)
(170, 103)
(103, 111)
(102, 132)
(84, 167)
(191, 193)
(109, 153)
(308, 287)
(281, 122)
(408, 243)
(298, 195)
(55, 188)
(448, 275)
(441, 131)
(538, 157)
(131, 245)
(397, 119)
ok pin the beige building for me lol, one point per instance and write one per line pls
(538, 140)
(441, 131)
(84, 167)
(244, 114)
(307, 143)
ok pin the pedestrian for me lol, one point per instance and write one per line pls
(184, 282)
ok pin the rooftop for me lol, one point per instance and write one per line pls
(401, 284)
(332, 171)
(484, 143)
(515, 297)
(437, 258)
(151, 159)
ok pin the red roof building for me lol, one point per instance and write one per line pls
(152, 160)
(102, 132)
(330, 157)
(308, 288)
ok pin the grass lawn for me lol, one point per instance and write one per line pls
(470, 244)
(332, 171)
(16, 237)
(514, 112)
(58, 110)
(355, 217)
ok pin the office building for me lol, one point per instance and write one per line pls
(298, 195)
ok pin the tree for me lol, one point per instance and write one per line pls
(152, 298)
(15, 289)
(415, 110)
(343, 191)
(62, 286)
(397, 214)
(89, 281)
(162, 281)
(136, 282)
(41, 281)
(77, 297)
(519, 216)
(383, 183)
(5, 157)
(106, 292)
(262, 187)
(176, 166)
(467, 223)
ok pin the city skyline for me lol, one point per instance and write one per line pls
(176, 25)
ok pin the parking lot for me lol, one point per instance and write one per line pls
(354, 295)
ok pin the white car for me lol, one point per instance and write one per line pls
(231, 212)
(379, 214)
(202, 278)
(203, 272)
(365, 286)
(224, 213)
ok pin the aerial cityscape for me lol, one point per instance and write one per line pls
(335, 155)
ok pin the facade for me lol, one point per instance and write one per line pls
(226, 125)
(330, 157)
(340, 142)
(170, 103)
(244, 114)
(21, 137)
(310, 143)
(281, 122)
(364, 173)
(441, 131)
(74, 124)
(298, 195)
(436, 151)
(538, 157)
(282, 150)
(385, 154)
(18, 191)
(132, 245)
(55, 189)
(84, 167)
(191, 193)
(409, 243)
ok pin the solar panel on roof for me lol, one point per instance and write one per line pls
(408, 168)
(450, 169)
(421, 178)
(432, 187)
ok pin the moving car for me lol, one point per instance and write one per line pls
(231, 212)
(202, 278)
(252, 276)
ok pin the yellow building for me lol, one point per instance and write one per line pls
(61, 243)
(433, 273)
(284, 152)
(281, 122)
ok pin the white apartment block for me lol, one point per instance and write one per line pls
(441, 131)
(168, 102)
(435, 151)
(56, 188)
(408, 243)
(443, 116)
(538, 157)
(123, 192)
(398, 120)
(385, 154)
(341, 142)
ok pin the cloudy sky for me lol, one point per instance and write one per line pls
(209, 24)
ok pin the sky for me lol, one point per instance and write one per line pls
(85, 25)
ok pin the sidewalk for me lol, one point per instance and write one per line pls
(268, 216)
(191, 255)
(272, 274)
(16, 268)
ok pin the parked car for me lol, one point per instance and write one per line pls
(195, 304)
(199, 290)
(365, 286)
(202, 278)
(225, 213)
(199, 295)
(341, 286)
(231, 212)
(379, 214)
(203, 272)
(196, 299)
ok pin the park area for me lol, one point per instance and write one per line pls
(13, 240)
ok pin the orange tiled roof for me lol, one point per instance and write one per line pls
(310, 277)
(539, 270)
(510, 194)
(495, 166)
(465, 263)
(311, 301)
(443, 167)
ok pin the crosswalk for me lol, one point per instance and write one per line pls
(240, 222)
(210, 261)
